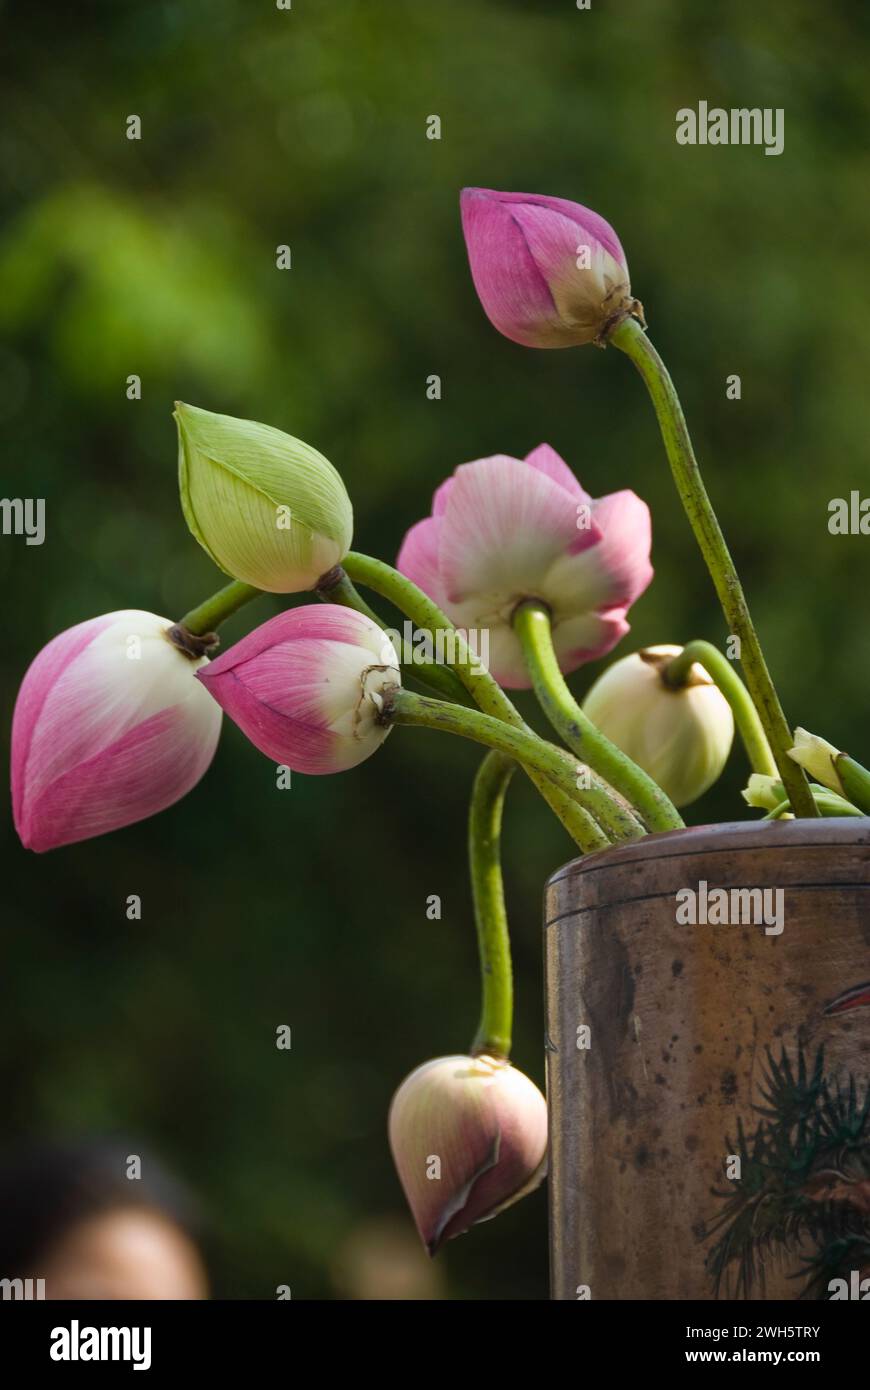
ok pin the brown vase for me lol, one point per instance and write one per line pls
(708, 1064)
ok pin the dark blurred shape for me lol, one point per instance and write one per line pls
(384, 1259)
(71, 1215)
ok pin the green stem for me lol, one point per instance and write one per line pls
(490, 914)
(720, 670)
(531, 623)
(631, 339)
(485, 691)
(855, 781)
(208, 616)
(336, 587)
(553, 764)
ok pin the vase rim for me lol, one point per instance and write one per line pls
(724, 835)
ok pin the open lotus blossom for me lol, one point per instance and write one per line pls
(307, 687)
(469, 1138)
(503, 530)
(110, 726)
(549, 273)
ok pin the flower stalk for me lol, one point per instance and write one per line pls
(720, 670)
(337, 587)
(531, 623)
(208, 615)
(493, 1036)
(631, 339)
(487, 693)
(550, 763)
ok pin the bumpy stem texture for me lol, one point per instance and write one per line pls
(490, 913)
(631, 339)
(404, 707)
(719, 668)
(485, 691)
(532, 625)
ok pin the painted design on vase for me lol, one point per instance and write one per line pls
(804, 1188)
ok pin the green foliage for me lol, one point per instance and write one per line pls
(158, 258)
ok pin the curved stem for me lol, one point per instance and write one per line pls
(631, 339)
(490, 914)
(427, 616)
(336, 587)
(208, 616)
(485, 691)
(531, 623)
(720, 670)
(553, 764)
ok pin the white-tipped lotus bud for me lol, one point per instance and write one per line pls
(680, 735)
(817, 757)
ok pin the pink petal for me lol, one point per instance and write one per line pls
(547, 461)
(439, 500)
(294, 687)
(588, 637)
(306, 744)
(504, 526)
(595, 227)
(418, 557)
(612, 573)
(147, 769)
(506, 661)
(38, 682)
(319, 621)
(510, 286)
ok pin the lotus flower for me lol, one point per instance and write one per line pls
(681, 737)
(110, 726)
(549, 273)
(503, 530)
(269, 510)
(306, 687)
(469, 1138)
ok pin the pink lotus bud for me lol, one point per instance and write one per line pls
(505, 529)
(109, 727)
(469, 1138)
(549, 273)
(307, 687)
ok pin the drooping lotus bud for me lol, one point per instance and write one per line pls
(469, 1138)
(549, 273)
(504, 529)
(681, 737)
(307, 687)
(110, 726)
(269, 510)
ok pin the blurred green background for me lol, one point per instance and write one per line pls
(308, 907)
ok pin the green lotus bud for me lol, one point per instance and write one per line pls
(269, 510)
(680, 736)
